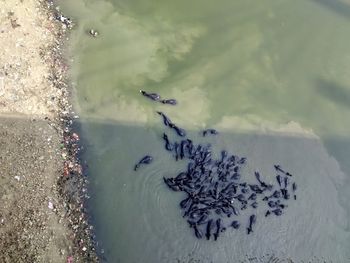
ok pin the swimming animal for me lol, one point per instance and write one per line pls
(197, 232)
(169, 101)
(252, 221)
(235, 224)
(209, 227)
(145, 160)
(279, 180)
(166, 120)
(276, 194)
(294, 188)
(254, 205)
(168, 145)
(285, 193)
(179, 131)
(252, 196)
(218, 229)
(209, 131)
(279, 169)
(277, 212)
(152, 96)
(263, 184)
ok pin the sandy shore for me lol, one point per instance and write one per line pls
(42, 215)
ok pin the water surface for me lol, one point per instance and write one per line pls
(272, 76)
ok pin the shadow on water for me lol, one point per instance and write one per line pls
(333, 91)
(336, 6)
(137, 218)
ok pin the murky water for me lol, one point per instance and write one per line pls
(272, 76)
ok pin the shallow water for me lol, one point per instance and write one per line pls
(272, 76)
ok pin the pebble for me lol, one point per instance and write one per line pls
(93, 32)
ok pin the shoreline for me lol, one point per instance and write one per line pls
(43, 217)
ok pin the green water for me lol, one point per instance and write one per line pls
(271, 75)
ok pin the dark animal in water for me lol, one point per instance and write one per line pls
(294, 188)
(242, 160)
(169, 101)
(168, 145)
(279, 180)
(209, 131)
(272, 203)
(202, 220)
(252, 196)
(179, 131)
(166, 120)
(171, 184)
(218, 229)
(145, 160)
(277, 212)
(169, 123)
(152, 96)
(184, 203)
(252, 220)
(244, 190)
(197, 232)
(254, 205)
(235, 224)
(286, 182)
(282, 206)
(208, 232)
(285, 193)
(276, 194)
(240, 198)
(279, 169)
(262, 184)
(255, 188)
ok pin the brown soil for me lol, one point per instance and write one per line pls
(41, 183)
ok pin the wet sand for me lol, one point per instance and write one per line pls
(42, 215)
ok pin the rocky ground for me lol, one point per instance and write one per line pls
(42, 215)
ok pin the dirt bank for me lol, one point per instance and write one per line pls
(41, 181)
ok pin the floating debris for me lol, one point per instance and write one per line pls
(64, 20)
(93, 32)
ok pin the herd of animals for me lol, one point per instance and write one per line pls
(215, 190)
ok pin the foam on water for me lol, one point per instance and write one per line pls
(272, 76)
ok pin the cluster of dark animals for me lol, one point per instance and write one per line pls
(216, 193)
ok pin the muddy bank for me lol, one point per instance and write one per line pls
(42, 215)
